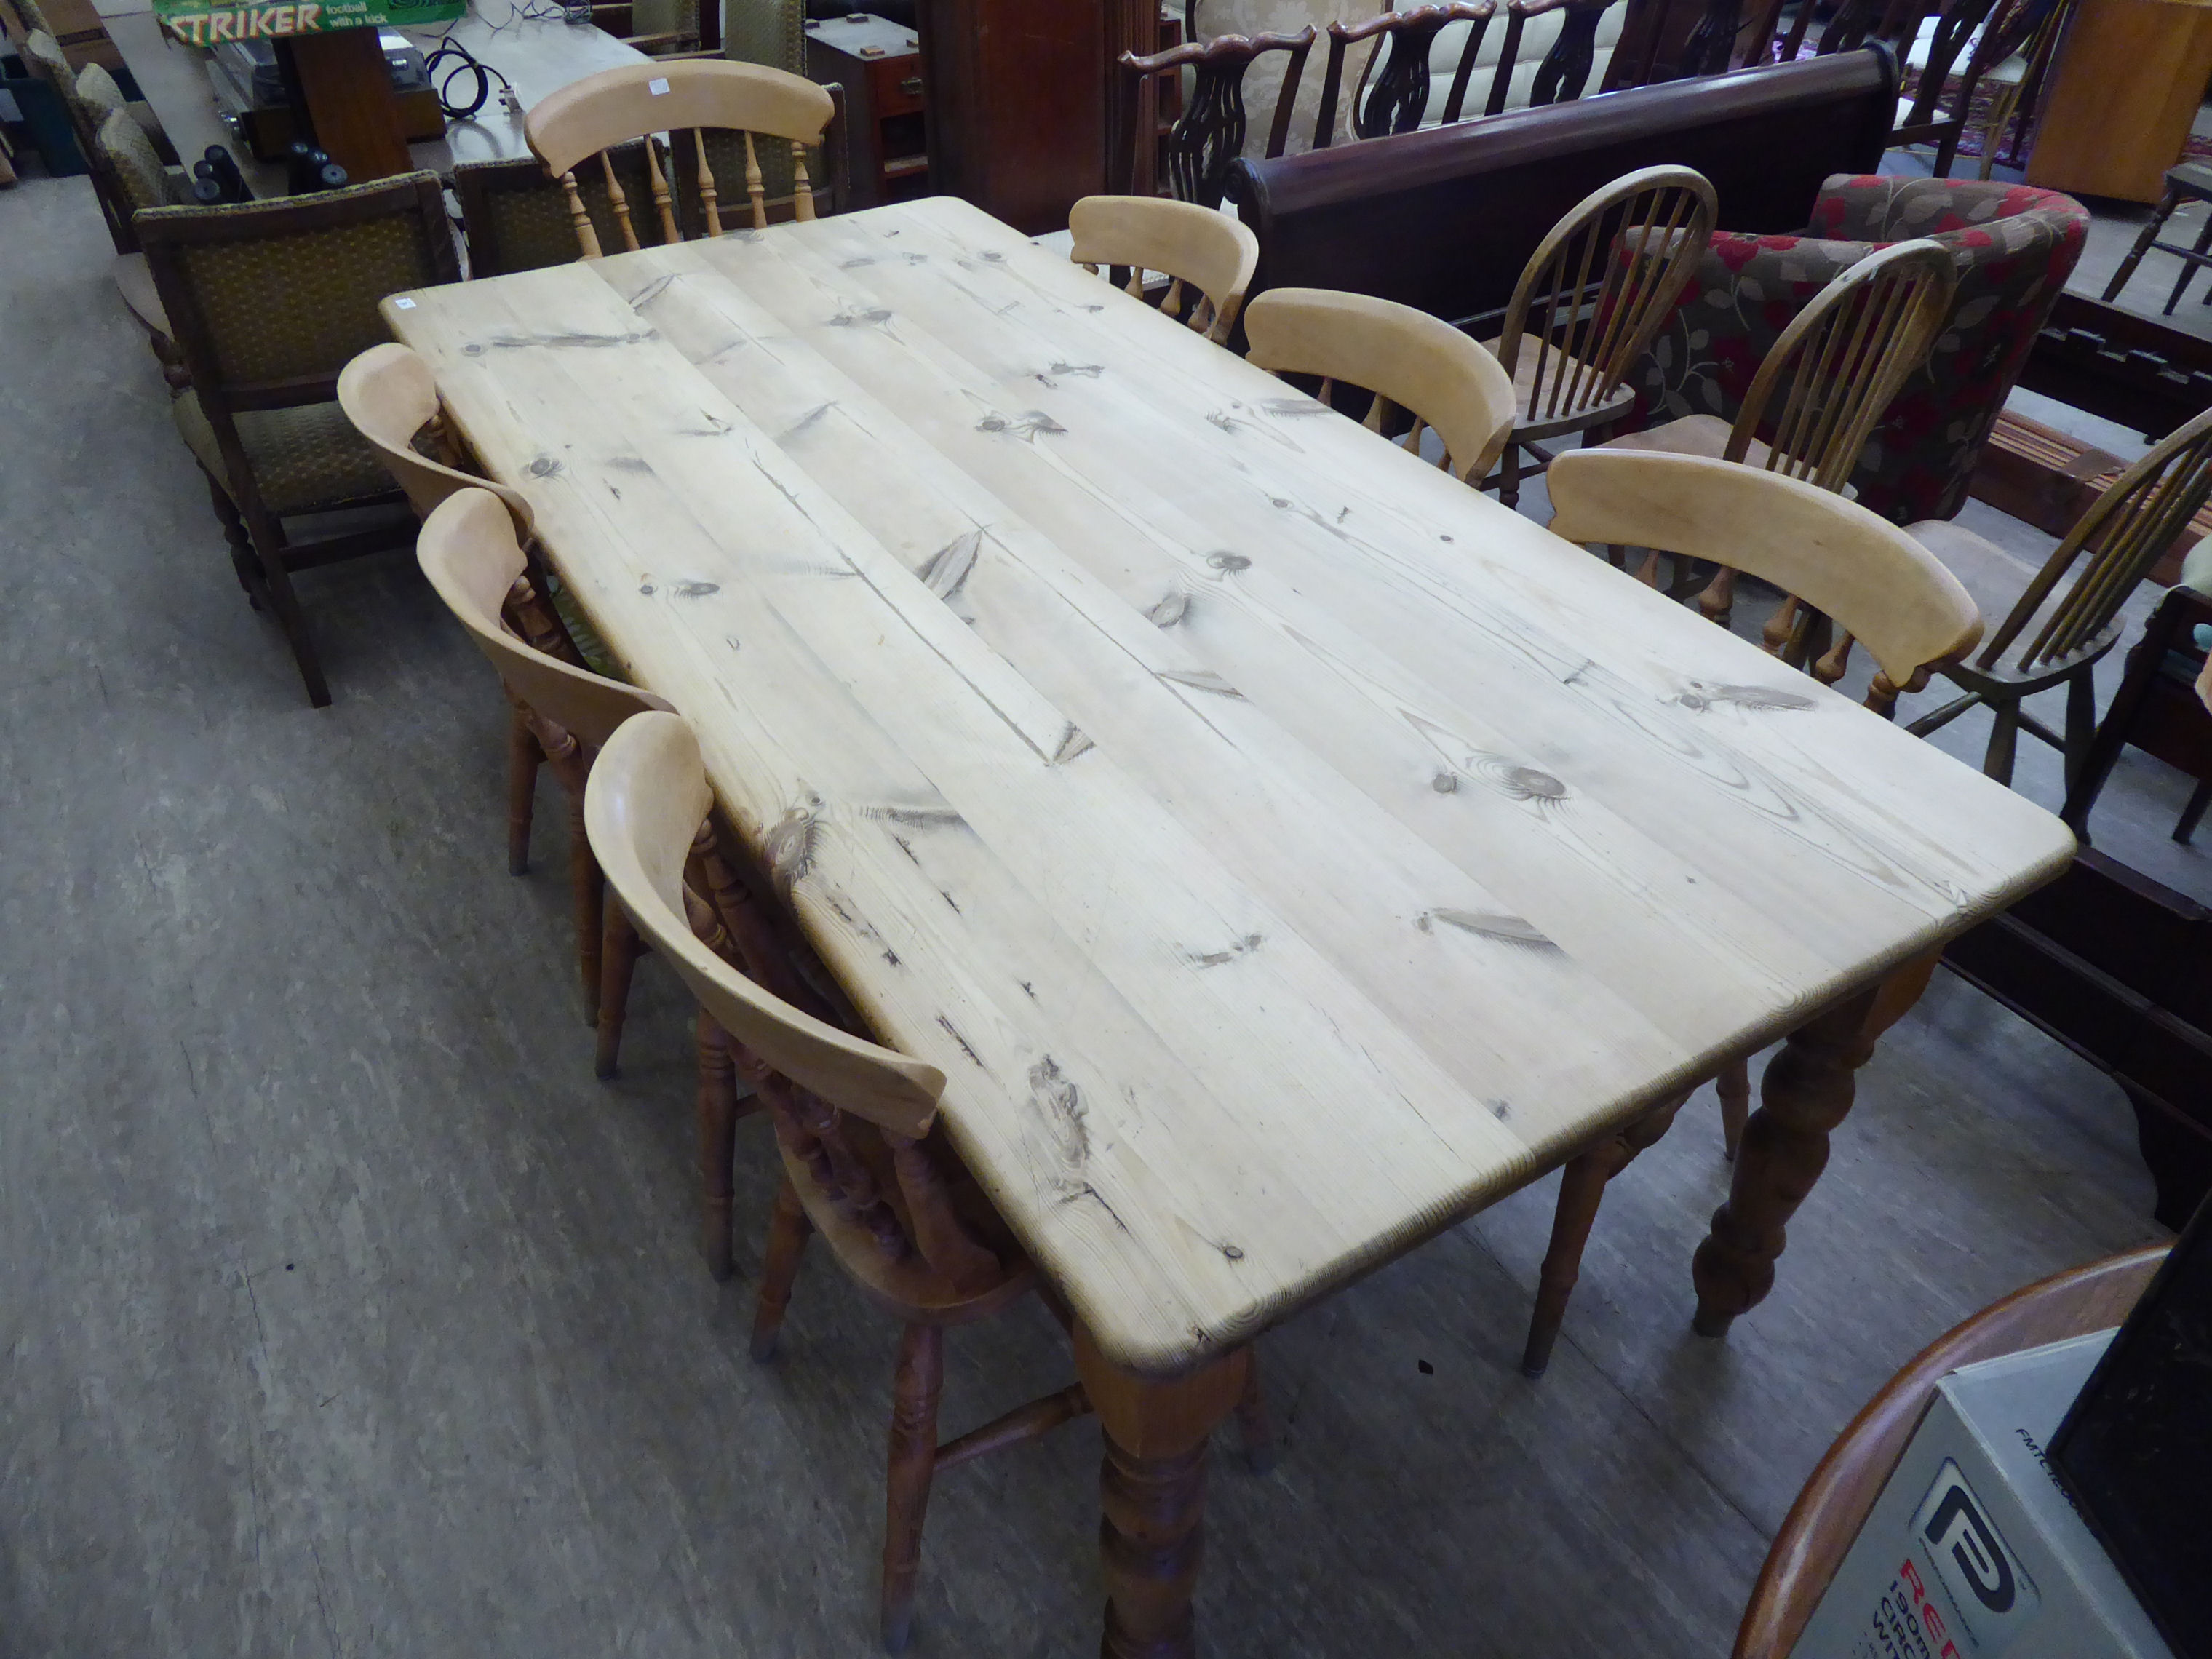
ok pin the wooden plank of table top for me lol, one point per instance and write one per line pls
(1283, 849)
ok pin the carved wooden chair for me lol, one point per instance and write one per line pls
(2051, 636)
(1207, 257)
(1588, 301)
(269, 301)
(1833, 372)
(562, 712)
(1825, 1522)
(706, 98)
(1395, 92)
(1209, 135)
(1870, 576)
(1406, 358)
(854, 1125)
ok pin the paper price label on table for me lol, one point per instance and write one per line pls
(198, 23)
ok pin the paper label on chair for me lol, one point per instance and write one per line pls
(657, 85)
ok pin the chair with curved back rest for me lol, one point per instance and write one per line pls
(1209, 134)
(1835, 1502)
(562, 710)
(140, 181)
(270, 300)
(1823, 385)
(2049, 637)
(705, 97)
(854, 1126)
(1588, 301)
(1196, 248)
(1406, 358)
(1836, 556)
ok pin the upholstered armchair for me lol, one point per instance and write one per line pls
(2015, 246)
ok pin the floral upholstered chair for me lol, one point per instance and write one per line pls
(2015, 246)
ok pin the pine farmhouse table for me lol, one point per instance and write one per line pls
(1284, 850)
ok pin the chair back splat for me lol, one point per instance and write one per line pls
(1393, 92)
(1872, 578)
(1207, 257)
(692, 97)
(1408, 358)
(1599, 285)
(1209, 135)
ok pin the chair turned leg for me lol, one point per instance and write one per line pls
(523, 758)
(242, 562)
(1253, 1423)
(718, 1143)
(2166, 203)
(913, 1461)
(2004, 741)
(590, 906)
(1509, 475)
(2081, 722)
(2181, 282)
(2193, 814)
(787, 1232)
(1581, 1190)
(618, 954)
(1733, 1085)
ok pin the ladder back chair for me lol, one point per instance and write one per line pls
(854, 1126)
(1819, 392)
(1207, 257)
(1406, 358)
(469, 550)
(1872, 577)
(1835, 1502)
(1588, 302)
(589, 118)
(268, 300)
(1209, 135)
(2052, 636)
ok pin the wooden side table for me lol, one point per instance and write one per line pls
(879, 63)
(2129, 77)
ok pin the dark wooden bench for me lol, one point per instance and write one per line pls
(1443, 218)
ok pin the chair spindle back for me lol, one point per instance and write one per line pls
(390, 395)
(591, 117)
(1197, 249)
(1599, 285)
(1406, 357)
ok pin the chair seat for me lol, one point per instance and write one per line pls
(1556, 366)
(1692, 435)
(305, 460)
(1995, 580)
(135, 283)
(2191, 179)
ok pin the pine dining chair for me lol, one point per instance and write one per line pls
(562, 712)
(2051, 636)
(1407, 358)
(854, 1122)
(1588, 302)
(722, 105)
(1910, 613)
(1207, 257)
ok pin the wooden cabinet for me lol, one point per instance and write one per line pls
(879, 64)
(2130, 75)
(1026, 100)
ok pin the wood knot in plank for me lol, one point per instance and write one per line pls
(1226, 563)
(1200, 679)
(1059, 1102)
(1214, 958)
(1519, 782)
(792, 842)
(1170, 610)
(1760, 699)
(1506, 929)
(1028, 426)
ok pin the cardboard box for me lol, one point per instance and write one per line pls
(1972, 1550)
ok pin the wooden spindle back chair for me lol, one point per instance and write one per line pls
(1209, 135)
(685, 98)
(1406, 358)
(1207, 257)
(1826, 381)
(391, 396)
(468, 549)
(2050, 636)
(1832, 554)
(852, 1123)
(1590, 299)
(1872, 577)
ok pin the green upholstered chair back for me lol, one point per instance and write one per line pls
(514, 216)
(122, 148)
(272, 299)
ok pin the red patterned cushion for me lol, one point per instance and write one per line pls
(2015, 246)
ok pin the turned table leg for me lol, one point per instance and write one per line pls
(1152, 1490)
(1807, 1092)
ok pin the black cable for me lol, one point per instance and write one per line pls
(462, 63)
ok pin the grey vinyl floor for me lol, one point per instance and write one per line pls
(342, 1313)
